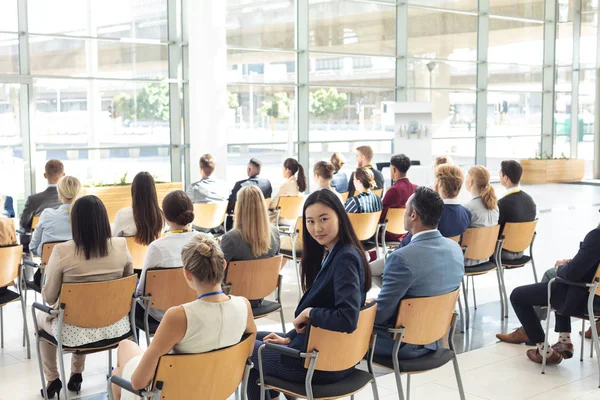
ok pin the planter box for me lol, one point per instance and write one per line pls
(552, 171)
(117, 197)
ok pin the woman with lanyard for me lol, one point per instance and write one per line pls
(335, 279)
(213, 321)
(165, 252)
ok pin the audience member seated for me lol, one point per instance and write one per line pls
(143, 219)
(364, 156)
(483, 205)
(439, 160)
(55, 224)
(340, 180)
(335, 278)
(365, 200)
(36, 203)
(8, 236)
(323, 174)
(397, 195)
(566, 300)
(213, 321)
(165, 252)
(292, 186)
(516, 205)
(431, 266)
(207, 189)
(253, 171)
(8, 209)
(91, 256)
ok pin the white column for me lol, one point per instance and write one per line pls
(207, 61)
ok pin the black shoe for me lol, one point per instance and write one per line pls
(74, 384)
(53, 388)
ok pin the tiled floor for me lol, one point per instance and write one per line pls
(490, 370)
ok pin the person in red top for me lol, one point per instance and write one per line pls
(401, 190)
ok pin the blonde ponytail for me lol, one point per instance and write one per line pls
(481, 180)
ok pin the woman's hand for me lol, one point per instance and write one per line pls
(276, 339)
(302, 320)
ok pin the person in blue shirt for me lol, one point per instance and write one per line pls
(8, 209)
(431, 265)
(340, 179)
(335, 279)
(364, 201)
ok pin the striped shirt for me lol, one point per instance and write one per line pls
(365, 202)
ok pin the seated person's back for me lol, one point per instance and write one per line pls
(208, 189)
(253, 171)
(340, 179)
(397, 195)
(7, 209)
(364, 201)
(364, 156)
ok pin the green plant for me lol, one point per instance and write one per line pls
(232, 100)
(150, 104)
(278, 107)
(323, 103)
(545, 156)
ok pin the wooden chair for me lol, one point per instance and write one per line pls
(422, 321)
(88, 305)
(210, 216)
(10, 271)
(344, 196)
(455, 238)
(394, 224)
(289, 208)
(482, 244)
(255, 280)
(34, 221)
(295, 252)
(329, 351)
(164, 288)
(212, 375)
(138, 253)
(47, 249)
(591, 315)
(366, 226)
(378, 192)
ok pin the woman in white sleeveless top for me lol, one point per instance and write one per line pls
(213, 321)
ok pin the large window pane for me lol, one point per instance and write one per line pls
(352, 27)
(514, 77)
(352, 70)
(453, 113)
(442, 74)
(516, 42)
(8, 15)
(9, 54)
(512, 114)
(587, 100)
(462, 151)
(261, 66)
(589, 40)
(562, 114)
(435, 34)
(260, 24)
(459, 5)
(532, 9)
(11, 144)
(67, 57)
(564, 78)
(502, 148)
(564, 44)
(145, 19)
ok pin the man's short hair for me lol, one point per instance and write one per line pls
(207, 163)
(54, 169)
(428, 204)
(512, 169)
(400, 162)
(366, 151)
(256, 163)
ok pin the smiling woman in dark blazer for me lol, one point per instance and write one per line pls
(335, 279)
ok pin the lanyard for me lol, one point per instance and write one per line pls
(210, 294)
(180, 230)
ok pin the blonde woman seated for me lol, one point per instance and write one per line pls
(323, 172)
(55, 224)
(213, 321)
(364, 200)
(483, 205)
(165, 252)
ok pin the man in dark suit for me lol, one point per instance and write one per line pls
(36, 203)
(567, 300)
(9, 210)
(364, 155)
(264, 185)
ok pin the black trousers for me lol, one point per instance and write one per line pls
(523, 300)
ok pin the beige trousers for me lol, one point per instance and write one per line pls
(48, 352)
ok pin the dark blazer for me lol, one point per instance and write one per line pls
(335, 296)
(572, 300)
(378, 180)
(9, 209)
(36, 203)
(516, 207)
(263, 184)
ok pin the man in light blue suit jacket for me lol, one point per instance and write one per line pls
(430, 265)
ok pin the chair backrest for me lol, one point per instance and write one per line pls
(426, 319)
(480, 242)
(10, 262)
(597, 276)
(339, 351)
(97, 304)
(378, 192)
(138, 252)
(518, 235)
(212, 375)
(168, 288)
(254, 279)
(47, 250)
(365, 224)
(344, 197)
(300, 231)
(210, 215)
(455, 238)
(395, 220)
(34, 221)
(267, 202)
(290, 207)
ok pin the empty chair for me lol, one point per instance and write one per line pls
(210, 215)
(10, 272)
(329, 351)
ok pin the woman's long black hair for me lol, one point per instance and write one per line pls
(313, 252)
(147, 215)
(90, 227)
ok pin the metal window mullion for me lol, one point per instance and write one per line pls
(596, 165)
(549, 79)
(401, 52)
(575, 79)
(483, 23)
(185, 56)
(302, 97)
(173, 25)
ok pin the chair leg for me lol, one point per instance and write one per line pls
(25, 329)
(407, 387)
(282, 319)
(582, 338)
(546, 342)
(474, 297)
(298, 279)
(462, 316)
(399, 385)
(375, 390)
(461, 390)
(595, 342)
(109, 363)
(61, 364)
(39, 356)
(466, 297)
(534, 271)
(503, 285)
(501, 295)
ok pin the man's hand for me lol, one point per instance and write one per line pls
(276, 339)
